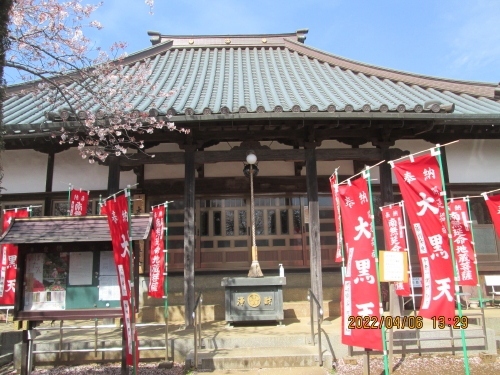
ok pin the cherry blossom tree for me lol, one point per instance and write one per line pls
(47, 50)
(5, 6)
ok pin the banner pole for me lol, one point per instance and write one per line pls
(437, 153)
(68, 212)
(132, 283)
(337, 207)
(366, 175)
(412, 287)
(165, 282)
(479, 291)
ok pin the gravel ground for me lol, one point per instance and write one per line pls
(107, 369)
(411, 365)
(424, 365)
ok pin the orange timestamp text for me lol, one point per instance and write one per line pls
(457, 322)
(377, 322)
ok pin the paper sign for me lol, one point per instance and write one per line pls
(393, 266)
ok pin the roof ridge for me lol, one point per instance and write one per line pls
(470, 87)
(230, 39)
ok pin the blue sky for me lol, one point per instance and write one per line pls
(457, 39)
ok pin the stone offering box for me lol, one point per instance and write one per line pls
(254, 298)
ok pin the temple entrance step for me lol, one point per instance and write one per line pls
(244, 358)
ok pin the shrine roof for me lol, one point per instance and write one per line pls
(255, 75)
(57, 229)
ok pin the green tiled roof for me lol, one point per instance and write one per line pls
(255, 74)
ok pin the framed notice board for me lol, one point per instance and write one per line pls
(69, 276)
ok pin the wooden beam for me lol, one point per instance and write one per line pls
(215, 186)
(292, 155)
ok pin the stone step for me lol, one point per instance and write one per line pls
(256, 341)
(261, 357)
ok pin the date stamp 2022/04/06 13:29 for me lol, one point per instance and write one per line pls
(407, 321)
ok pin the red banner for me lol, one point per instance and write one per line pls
(337, 217)
(463, 243)
(78, 202)
(8, 256)
(420, 183)
(156, 255)
(493, 204)
(360, 296)
(117, 213)
(395, 239)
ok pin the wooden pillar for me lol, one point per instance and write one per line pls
(139, 172)
(314, 232)
(113, 174)
(446, 174)
(189, 189)
(48, 183)
(387, 197)
(386, 187)
(357, 165)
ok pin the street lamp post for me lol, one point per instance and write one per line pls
(252, 170)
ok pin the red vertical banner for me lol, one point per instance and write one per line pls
(395, 239)
(493, 204)
(463, 243)
(117, 213)
(360, 296)
(78, 202)
(8, 256)
(420, 183)
(337, 216)
(156, 254)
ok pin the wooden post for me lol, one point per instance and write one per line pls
(113, 174)
(124, 367)
(446, 174)
(139, 172)
(357, 165)
(48, 183)
(314, 233)
(387, 197)
(189, 189)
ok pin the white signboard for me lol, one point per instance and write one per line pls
(80, 268)
(108, 288)
(107, 265)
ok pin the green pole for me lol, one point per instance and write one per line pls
(479, 291)
(337, 207)
(366, 175)
(437, 153)
(100, 202)
(132, 286)
(69, 201)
